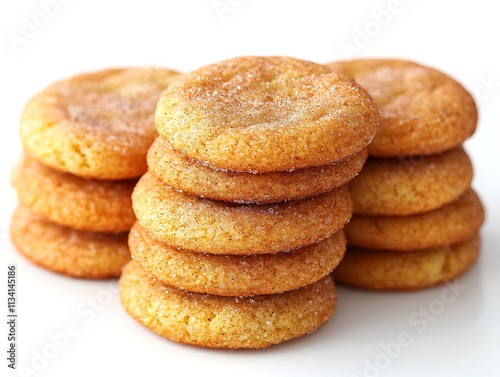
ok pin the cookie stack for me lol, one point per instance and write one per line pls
(85, 142)
(240, 216)
(416, 219)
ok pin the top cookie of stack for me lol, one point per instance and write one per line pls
(246, 197)
(266, 115)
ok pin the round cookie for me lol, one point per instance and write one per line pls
(215, 227)
(65, 199)
(192, 177)
(225, 322)
(266, 114)
(96, 125)
(453, 223)
(407, 186)
(422, 111)
(235, 275)
(390, 270)
(68, 251)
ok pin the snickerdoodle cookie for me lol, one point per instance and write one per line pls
(96, 125)
(204, 225)
(68, 251)
(422, 111)
(225, 322)
(453, 223)
(192, 177)
(407, 186)
(266, 114)
(65, 199)
(391, 270)
(235, 275)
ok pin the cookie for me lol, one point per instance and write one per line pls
(68, 251)
(390, 270)
(235, 275)
(65, 199)
(406, 186)
(190, 176)
(266, 114)
(96, 125)
(422, 111)
(225, 322)
(203, 225)
(453, 223)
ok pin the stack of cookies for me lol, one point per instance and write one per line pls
(240, 216)
(85, 142)
(416, 219)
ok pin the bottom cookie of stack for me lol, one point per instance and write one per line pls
(225, 322)
(411, 270)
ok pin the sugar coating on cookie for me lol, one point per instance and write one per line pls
(96, 125)
(203, 225)
(407, 186)
(422, 111)
(225, 322)
(65, 199)
(192, 177)
(67, 251)
(235, 275)
(453, 223)
(390, 270)
(264, 114)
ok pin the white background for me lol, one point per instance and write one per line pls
(458, 37)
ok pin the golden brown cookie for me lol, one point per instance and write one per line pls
(203, 225)
(65, 199)
(266, 114)
(235, 275)
(192, 177)
(453, 223)
(68, 251)
(407, 186)
(225, 322)
(96, 125)
(422, 111)
(391, 270)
